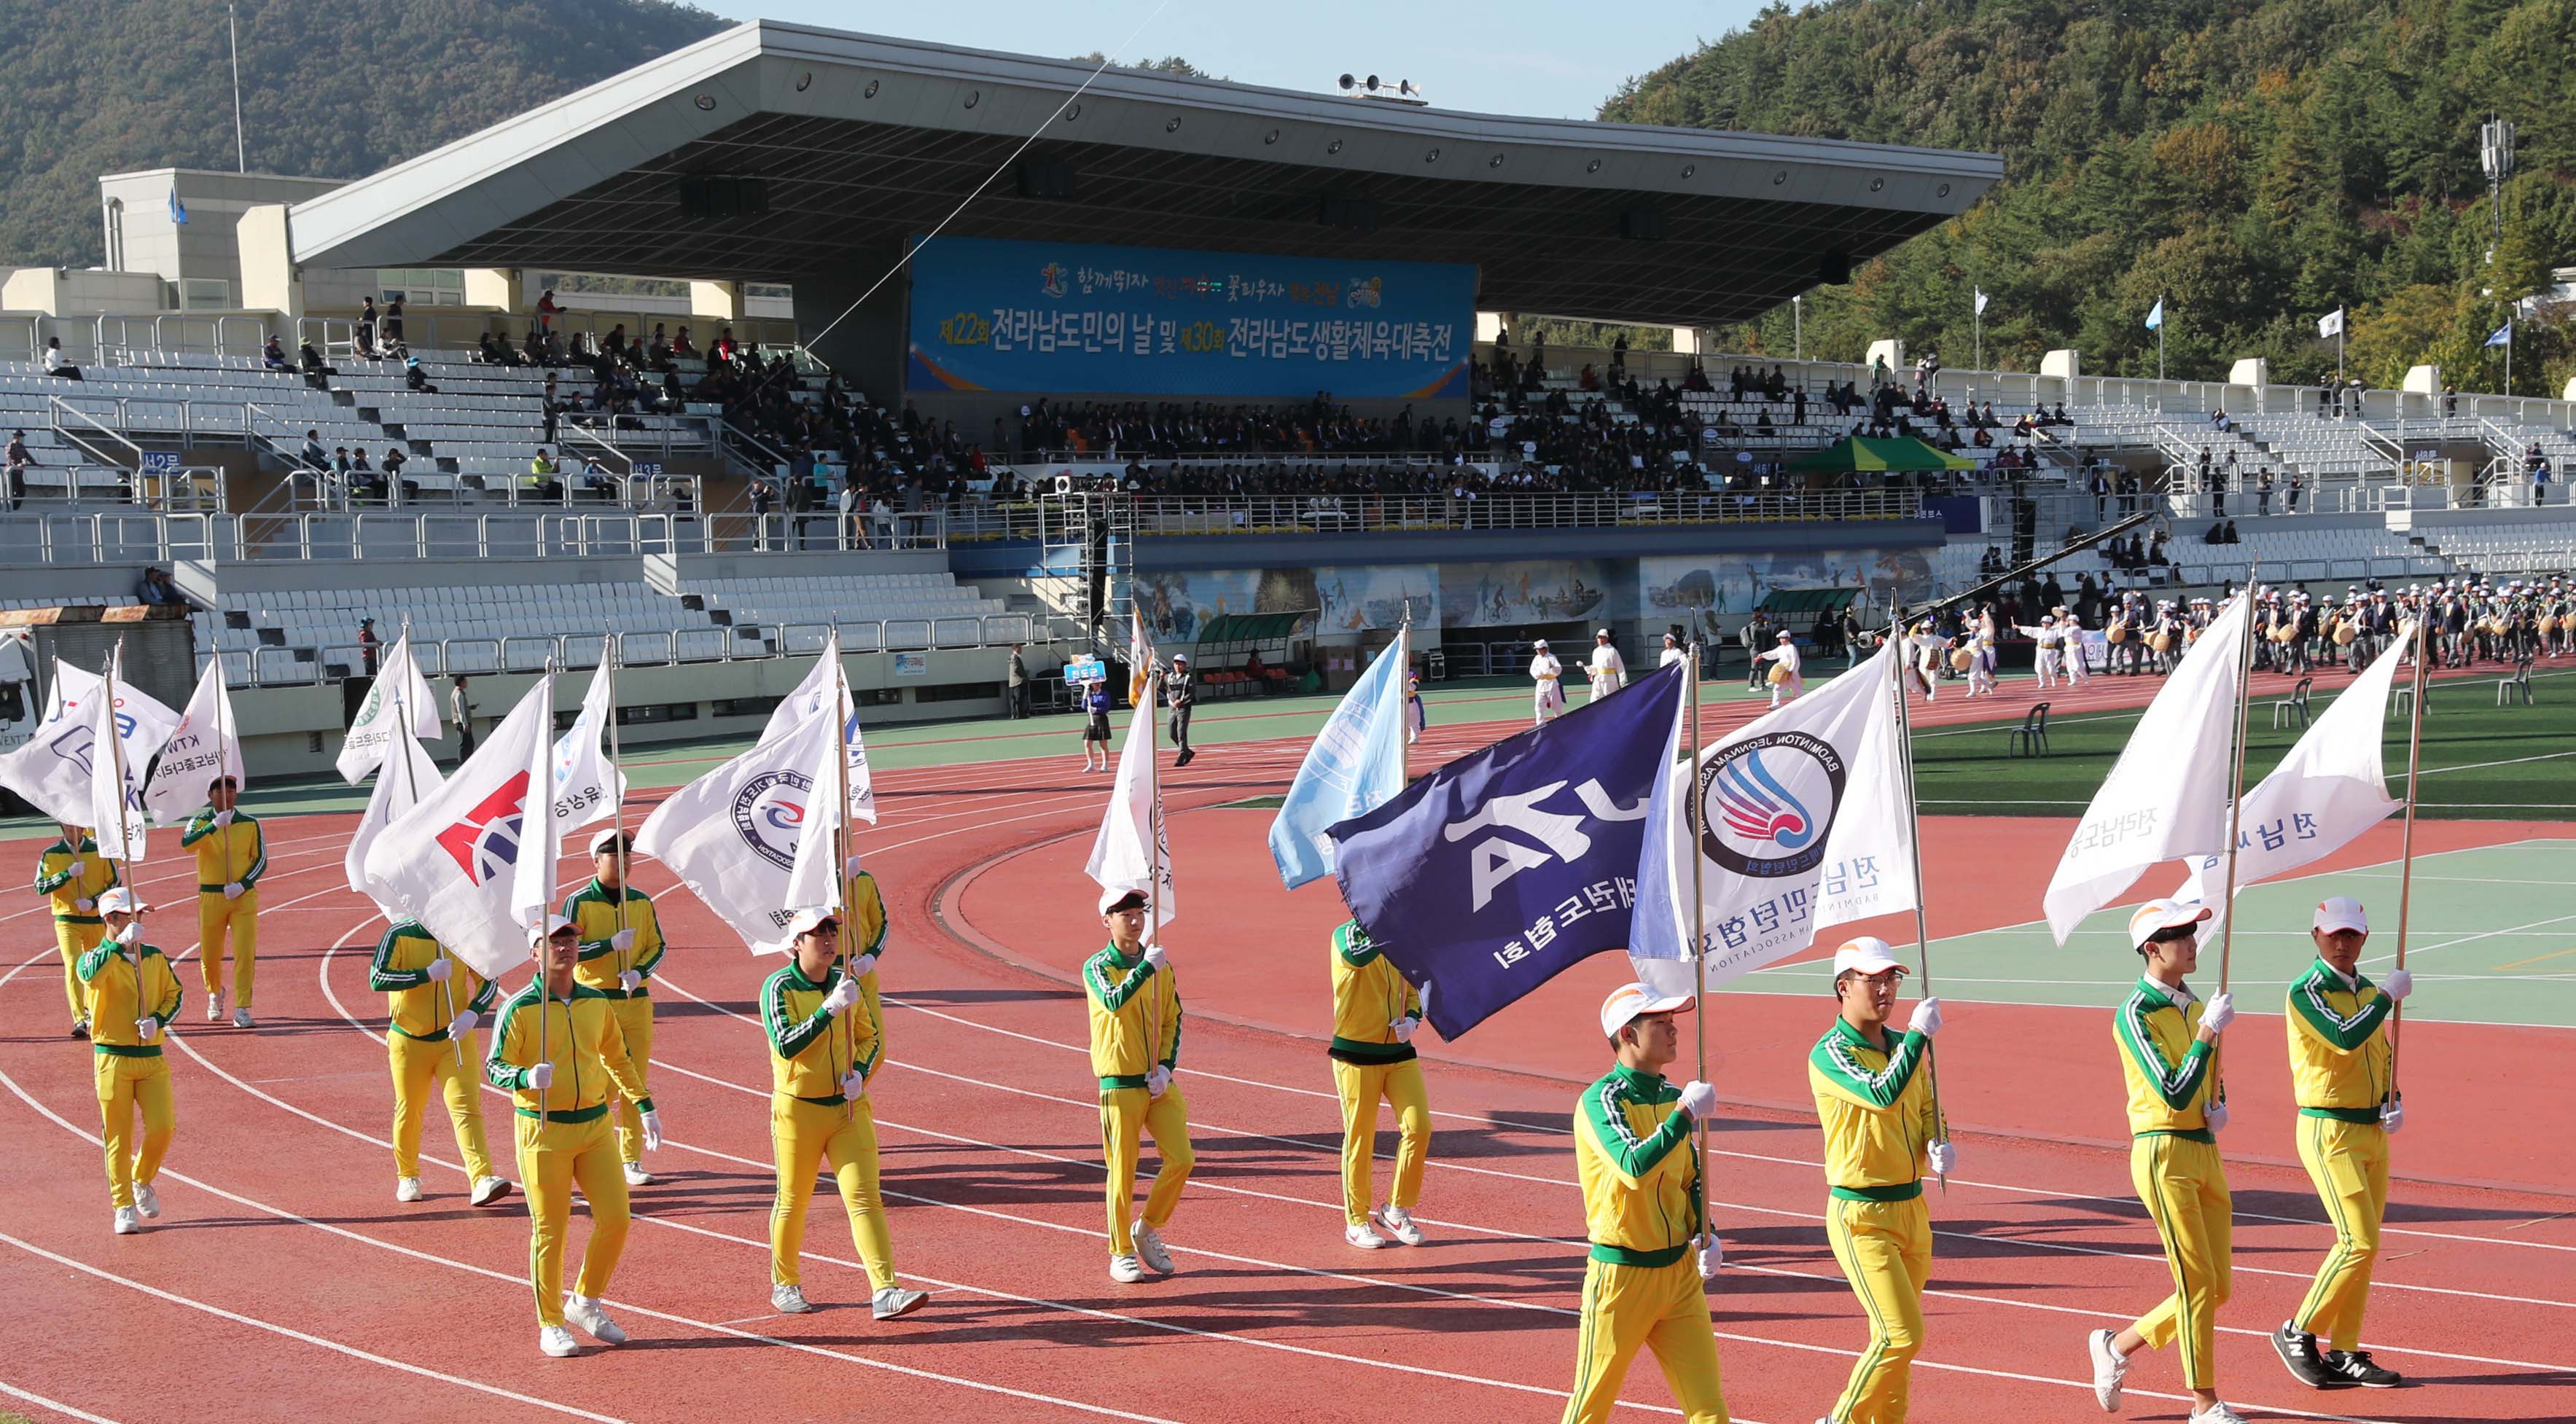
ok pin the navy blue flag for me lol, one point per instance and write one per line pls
(1495, 873)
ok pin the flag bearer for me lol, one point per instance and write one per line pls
(1881, 1133)
(1376, 1012)
(72, 875)
(1135, 1049)
(231, 856)
(2167, 1040)
(823, 1048)
(1645, 1285)
(2342, 1069)
(133, 994)
(558, 1051)
(434, 1001)
(618, 957)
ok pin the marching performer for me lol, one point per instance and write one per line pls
(821, 1055)
(1608, 671)
(1928, 647)
(561, 1099)
(1784, 673)
(72, 875)
(1135, 1049)
(1547, 673)
(2044, 644)
(1981, 655)
(1645, 1283)
(429, 1044)
(1880, 1134)
(618, 956)
(231, 856)
(2166, 1040)
(2341, 1067)
(1376, 1012)
(2070, 633)
(133, 995)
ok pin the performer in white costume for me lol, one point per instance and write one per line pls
(2045, 637)
(1548, 673)
(1785, 682)
(1608, 670)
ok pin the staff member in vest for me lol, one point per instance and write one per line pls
(429, 1043)
(561, 1098)
(133, 995)
(618, 954)
(2342, 1072)
(72, 875)
(1646, 1283)
(1875, 1102)
(2166, 1041)
(1135, 1050)
(821, 1055)
(1376, 1012)
(231, 856)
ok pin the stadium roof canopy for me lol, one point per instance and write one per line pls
(862, 141)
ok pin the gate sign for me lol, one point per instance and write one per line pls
(1057, 317)
(160, 462)
(648, 469)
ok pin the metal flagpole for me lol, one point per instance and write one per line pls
(608, 669)
(843, 713)
(2235, 807)
(1914, 839)
(2406, 841)
(241, 145)
(1153, 852)
(116, 755)
(1699, 928)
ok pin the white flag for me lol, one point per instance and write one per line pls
(1981, 301)
(811, 883)
(2331, 324)
(2167, 795)
(1140, 654)
(2326, 792)
(532, 874)
(1133, 821)
(52, 770)
(815, 692)
(587, 786)
(732, 834)
(205, 745)
(408, 776)
(116, 813)
(1804, 827)
(398, 686)
(451, 861)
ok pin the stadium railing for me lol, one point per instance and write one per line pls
(1374, 513)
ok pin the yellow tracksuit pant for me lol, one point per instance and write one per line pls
(419, 1068)
(124, 1085)
(73, 941)
(2349, 1163)
(1126, 1114)
(1661, 1308)
(802, 1137)
(553, 1156)
(1885, 1250)
(215, 915)
(635, 1021)
(1362, 1086)
(2184, 1187)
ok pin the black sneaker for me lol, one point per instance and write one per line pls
(2298, 1351)
(2356, 1367)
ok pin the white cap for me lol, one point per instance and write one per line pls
(1787, 637)
(117, 900)
(1601, 633)
(1629, 1000)
(2156, 915)
(2341, 912)
(1110, 897)
(1538, 642)
(608, 839)
(805, 921)
(1180, 657)
(554, 925)
(1869, 954)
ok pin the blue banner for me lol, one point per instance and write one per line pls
(1065, 317)
(1497, 872)
(1355, 766)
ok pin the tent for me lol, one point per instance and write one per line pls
(1852, 453)
(1810, 600)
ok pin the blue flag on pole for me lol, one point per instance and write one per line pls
(2156, 315)
(1355, 766)
(2503, 334)
(1492, 875)
(178, 210)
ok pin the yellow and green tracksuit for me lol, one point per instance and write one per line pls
(1642, 1209)
(593, 912)
(863, 931)
(67, 875)
(236, 855)
(1369, 995)
(131, 1074)
(811, 1123)
(1875, 1102)
(419, 1048)
(2173, 1160)
(2343, 1071)
(1136, 1024)
(563, 1130)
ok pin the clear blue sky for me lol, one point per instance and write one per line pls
(1556, 60)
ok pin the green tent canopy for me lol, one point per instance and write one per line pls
(1809, 600)
(1852, 453)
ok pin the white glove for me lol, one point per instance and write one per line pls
(1404, 1028)
(234, 890)
(652, 1131)
(540, 1077)
(2217, 1117)
(1926, 1018)
(629, 980)
(1157, 1079)
(464, 1024)
(622, 941)
(80, 866)
(1699, 1100)
(1712, 1255)
(1154, 955)
(854, 1085)
(438, 970)
(86, 907)
(844, 994)
(2220, 1013)
(863, 966)
(223, 819)
(146, 1026)
(2392, 1114)
(1944, 1158)
(2397, 985)
(133, 931)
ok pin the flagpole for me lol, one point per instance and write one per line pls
(1914, 840)
(2406, 841)
(2235, 806)
(545, 838)
(617, 817)
(2161, 319)
(1699, 926)
(843, 712)
(116, 754)
(1153, 849)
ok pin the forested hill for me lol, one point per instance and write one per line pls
(330, 88)
(2256, 163)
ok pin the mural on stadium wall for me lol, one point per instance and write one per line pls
(1480, 595)
(1358, 598)
(1704, 593)
(1178, 604)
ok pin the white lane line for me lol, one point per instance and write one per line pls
(55, 1405)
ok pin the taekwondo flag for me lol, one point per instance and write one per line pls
(532, 874)
(2326, 792)
(206, 744)
(2331, 324)
(451, 862)
(2156, 315)
(587, 785)
(2167, 795)
(1981, 301)
(52, 769)
(407, 776)
(814, 692)
(1497, 872)
(1355, 766)
(116, 813)
(2502, 335)
(732, 834)
(1132, 821)
(398, 685)
(1140, 655)
(1804, 826)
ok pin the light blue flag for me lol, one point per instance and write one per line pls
(2503, 335)
(2156, 315)
(178, 210)
(1355, 766)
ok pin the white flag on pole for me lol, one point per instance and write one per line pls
(52, 770)
(2167, 795)
(1805, 827)
(1133, 822)
(451, 861)
(206, 744)
(532, 873)
(732, 835)
(398, 684)
(1140, 654)
(587, 786)
(1981, 301)
(817, 691)
(811, 881)
(115, 801)
(2331, 324)
(408, 776)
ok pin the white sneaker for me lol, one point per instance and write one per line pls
(1149, 1244)
(488, 1190)
(788, 1300)
(1395, 1221)
(636, 1176)
(585, 1312)
(147, 1200)
(215, 1007)
(2109, 1368)
(1358, 1234)
(1125, 1269)
(2217, 1413)
(127, 1223)
(558, 1342)
(894, 1302)
(406, 1189)
(241, 1018)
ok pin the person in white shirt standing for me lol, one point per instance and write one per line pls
(1549, 675)
(2070, 636)
(1673, 652)
(2044, 661)
(1608, 670)
(1785, 682)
